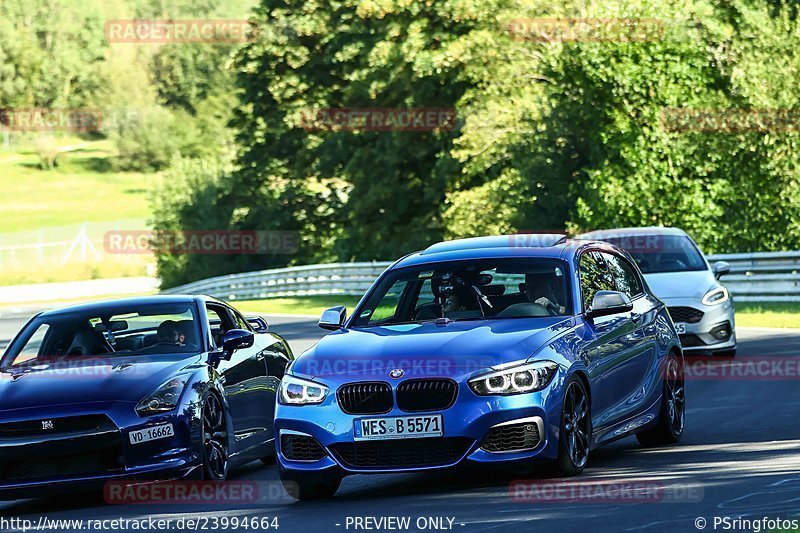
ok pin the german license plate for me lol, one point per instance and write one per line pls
(153, 433)
(401, 427)
(680, 327)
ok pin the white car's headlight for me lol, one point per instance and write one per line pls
(519, 379)
(715, 296)
(164, 399)
(296, 391)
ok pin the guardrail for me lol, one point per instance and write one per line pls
(349, 279)
(762, 277)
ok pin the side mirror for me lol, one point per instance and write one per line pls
(236, 339)
(609, 303)
(721, 268)
(258, 323)
(333, 318)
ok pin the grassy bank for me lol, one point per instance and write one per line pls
(54, 221)
(308, 305)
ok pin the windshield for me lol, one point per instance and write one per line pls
(141, 330)
(469, 290)
(663, 253)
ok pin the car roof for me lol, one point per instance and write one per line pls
(105, 305)
(556, 246)
(628, 232)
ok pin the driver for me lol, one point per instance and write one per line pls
(169, 333)
(542, 289)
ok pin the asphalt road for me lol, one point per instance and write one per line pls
(739, 458)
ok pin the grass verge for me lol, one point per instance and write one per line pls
(306, 305)
(763, 315)
(768, 315)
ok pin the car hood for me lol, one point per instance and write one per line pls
(94, 379)
(693, 284)
(427, 350)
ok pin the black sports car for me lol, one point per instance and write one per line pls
(160, 387)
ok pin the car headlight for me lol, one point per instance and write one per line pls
(519, 379)
(715, 296)
(164, 399)
(296, 391)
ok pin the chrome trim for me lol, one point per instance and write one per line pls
(529, 420)
(293, 432)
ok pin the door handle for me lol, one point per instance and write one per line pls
(635, 317)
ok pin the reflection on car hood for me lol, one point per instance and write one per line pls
(61, 381)
(426, 350)
(693, 284)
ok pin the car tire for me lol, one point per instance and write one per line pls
(672, 415)
(309, 487)
(216, 459)
(575, 435)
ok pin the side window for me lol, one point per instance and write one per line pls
(219, 322)
(387, 307)
(624, 274)
(594, 277)
(241, 322)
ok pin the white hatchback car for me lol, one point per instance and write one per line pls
(679, 275)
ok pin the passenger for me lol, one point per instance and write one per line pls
(168, 332)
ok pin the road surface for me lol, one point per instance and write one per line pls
(740, 457)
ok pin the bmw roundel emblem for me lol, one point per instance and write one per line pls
(396, 373)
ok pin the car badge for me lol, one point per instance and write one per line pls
(47, 424)
(396, 373)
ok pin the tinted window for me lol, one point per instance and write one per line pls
(661, 253)
(594, 277)
(482, 289)
(624, 275)
(146, 329)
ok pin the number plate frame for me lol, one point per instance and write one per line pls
(397, 427)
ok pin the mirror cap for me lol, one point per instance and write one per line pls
(609, 303)
(333, 318)
(721, 268)
(237, 339)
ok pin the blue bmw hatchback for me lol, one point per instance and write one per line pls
(500, 350)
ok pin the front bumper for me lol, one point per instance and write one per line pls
(705, 334)
(40, 463)
(466, 424)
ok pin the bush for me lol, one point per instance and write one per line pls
(46, 147)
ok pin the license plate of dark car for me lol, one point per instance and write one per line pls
(400, 427)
